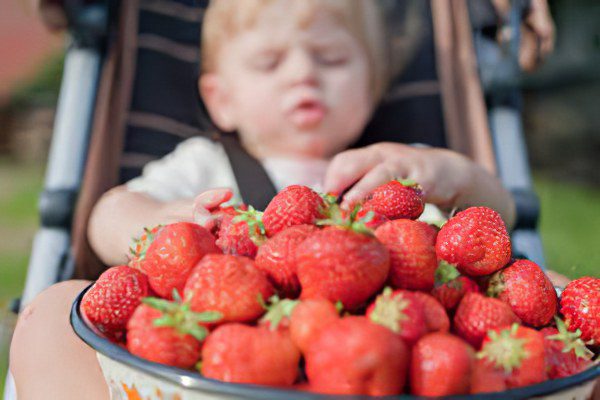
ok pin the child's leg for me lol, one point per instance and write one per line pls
(47, 359)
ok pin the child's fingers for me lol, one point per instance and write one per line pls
(348, 167)
(206, 201)
(213, 198)
(203, 217)
(375, 177)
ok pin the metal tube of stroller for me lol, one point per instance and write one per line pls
(65, 169)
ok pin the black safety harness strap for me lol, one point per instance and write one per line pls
(253, 182)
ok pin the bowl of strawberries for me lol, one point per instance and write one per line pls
(308, 300)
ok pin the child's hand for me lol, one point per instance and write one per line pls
(449, 179)
(207, 201)
(443, 174)
(196, 210)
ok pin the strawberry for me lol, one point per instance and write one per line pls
(451, 286)
(441, 365)
(412, 253)
(566, 353)
(355, 356)
(399, 311)
(527, 290)
(308, 318)
(109, 304)
(167, 332)
(294, 205)
(580, 305)
(396, 199)
(240, 234)
(276, 258)
(518, 352)
(475, 241)
(340, 264)
(485, 378)
(224, 211)
(436, 318)
(246, 354)
(172, 254)
(231, 285)
(476, 314)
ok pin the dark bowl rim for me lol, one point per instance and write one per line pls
(194, 381)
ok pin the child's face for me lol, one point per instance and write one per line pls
(291, 91)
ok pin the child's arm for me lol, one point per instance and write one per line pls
(448, 178)
(121, 215)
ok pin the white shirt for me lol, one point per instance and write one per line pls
(199, 164)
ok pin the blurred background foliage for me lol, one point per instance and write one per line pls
(561, 119)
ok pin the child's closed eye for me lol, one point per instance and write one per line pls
(266, 61)
(331, 56)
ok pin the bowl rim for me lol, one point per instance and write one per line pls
(194, 381)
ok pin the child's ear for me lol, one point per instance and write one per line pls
(217, 101)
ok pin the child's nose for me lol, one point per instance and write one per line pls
(301, 68)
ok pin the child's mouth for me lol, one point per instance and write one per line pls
(307, 114)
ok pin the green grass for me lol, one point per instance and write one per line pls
(570, 226)
(21, 185)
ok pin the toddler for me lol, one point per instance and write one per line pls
(298, 80)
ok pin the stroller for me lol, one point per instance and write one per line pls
(129, 97)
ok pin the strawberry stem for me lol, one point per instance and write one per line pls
(445, 273)
(277, 310)
(253, 218)
(350, 221)
(389, 311)
(504, 350)
(177, 314)
(571, 340)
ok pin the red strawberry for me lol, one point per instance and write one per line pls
(167, 332)
(527, 290)
(355, 356)
(276, 258)
(231, 285)
(451, 286)
(476, 314)
(245, 354)
(580, 305)
(109, 304)
(172, 254)
(436, 318)
(240, 234)
(308, 319)
(412, 253)
(396, 199)
(294, 205)
(475, 241)
(221, 212)
(441, 365)
(566, 353)
(486, 378)
(400, 312)
(518, 352)
(340, 264)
